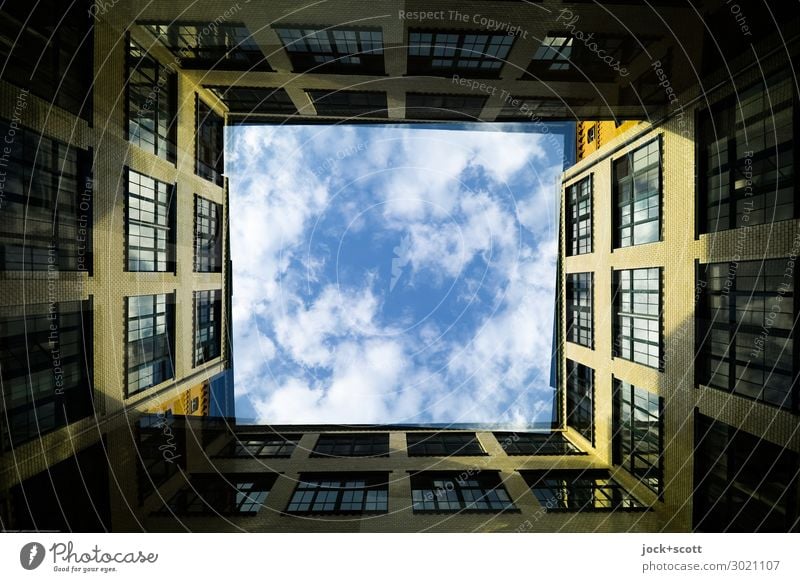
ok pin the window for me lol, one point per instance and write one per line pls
(743, 483)
(207, 325)
(637, 323)
(254, 99)
(334, 50)
(37, 400)
(746, 338)
(209, 151)
(263, 445)
(534, 108)
(241, 494)
(580, 290)
(532, 443)
(580, 399)
(152, 103)
(161, 447)
(224, 46)
(579, 490)
(47, 47)
(425, 106)
(208, 234)
(579, 217)
(637, 439)
(341, 493)
(590, 135)
(554, 54)
(150, 224)
(46, 203)
(349, 103)
(445, 53)
(429, 444)
(194, 405)
(456, 492)
(352, 445)
(150, 331)
(637, 196)
(746, 155)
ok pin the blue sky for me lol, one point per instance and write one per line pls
(387, 274)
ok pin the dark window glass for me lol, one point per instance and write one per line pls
(580, 291)
(746, 155)
(222, 494)
(47, 48)
(554, 54)
(346, 493)
(45, 368)
(531, 443)
(453, 491)
(435, 106)
(209, 45)
(443, 444)
(580, 399)
(637, 196)
(150, 224)
(207, 325)
(637, 433)
(209, 145)
(743, 483)
(150, 331)
(208, 234)
(590, 135)
(446, 53)
(254, 99)
(579, 490)
(637, 316)
(262, 445)
(746, 337)
(334, 50)
(46, 203)
(161, 447)
(579, 217)
(152, 104)
(535, 108)
(352, 445)
(349, 103)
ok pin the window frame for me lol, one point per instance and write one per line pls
(617, 298)
(211, 301)
(577, 312)
(514, 444)
(336, 492)
(209, 127)
(258, 443)
(425, 490)
(376, 443)
(631, 178)
(370, 59)
(577, 195)
(206, 210)
(204, 490)
(457, 49)
(576, 406)
(168, 227)
(569, 478)
(168, 361)
(419, 444)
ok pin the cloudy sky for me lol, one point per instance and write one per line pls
(392, 274)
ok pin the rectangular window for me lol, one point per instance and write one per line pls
(334, 50)
(151, 103)
(637, 316)
(150, 224)
(341, 493)
(533, 443)
(580, 399)
(580, 299)
(747, 315)
(262, 446)
(534, 107)
(452, 491)
(208, 232)
(207, 325)
(46, 203)
(352, 445)
(746, 158)
(580, 490)
(637, 438)
(743, 483)
(48, 48)
(443, 444)
(457, 51)
(36, 398)
(150, 331)
(637, 196)
(349, 103)
(579, 217)
(554, 54)
(209, 144)
(438, 106)
(242, 494)
(246, 100)
(220, 46)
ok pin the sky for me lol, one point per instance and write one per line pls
(392, 274)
